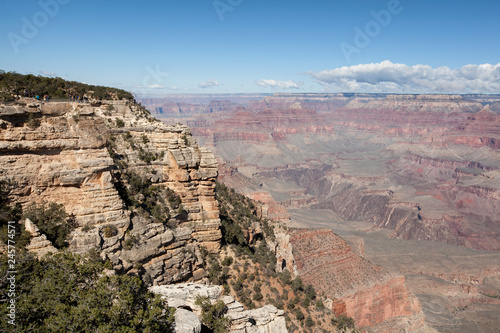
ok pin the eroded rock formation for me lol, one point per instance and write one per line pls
(39, 244)
(267, 319)
(359, 289)
(60, 152)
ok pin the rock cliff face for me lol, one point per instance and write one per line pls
(57, 152)
(267, 319)
(358, 288)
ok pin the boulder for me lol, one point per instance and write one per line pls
(186, 322)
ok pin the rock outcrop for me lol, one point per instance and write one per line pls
(267, 319)
(77, 154)
(183, 295)
(186, 322)
(39, 244)
(359, 289)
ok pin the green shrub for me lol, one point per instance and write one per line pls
(227, 261)
(238, 285)
(285, 277)
(130, 241)
(119, 122)
(87, 228)
(297, 284)
(214, 272)
(6, 97)
(109, 231)
(212, 315)
(343, 322)
(309, 322)
(9, 212)
(147, 156)
(52, 220)
(300, 316)
(257, 296)
(310, 292)
(33, 122)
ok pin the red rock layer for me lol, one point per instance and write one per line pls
(359, 289)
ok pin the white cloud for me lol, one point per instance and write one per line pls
(47, 73)
(155, 86)
(279, 84)
(208, 84)
(390, 77)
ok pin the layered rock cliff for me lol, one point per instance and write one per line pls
(90, 157)
(372, 296)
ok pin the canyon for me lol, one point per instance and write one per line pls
(386, 204)
(412, 179)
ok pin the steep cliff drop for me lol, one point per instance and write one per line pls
(376, 299)
(105, 163)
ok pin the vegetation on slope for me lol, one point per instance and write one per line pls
(65, 292)
(12, 84)
(9, 212)
(137, 191)
(68, 293)
(52, 220)
(247, 268)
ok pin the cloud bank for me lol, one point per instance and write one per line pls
(51, 74)
(279, 84)
(390, 77)
(208, 84)
(155, 86)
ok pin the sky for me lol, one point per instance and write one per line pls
(155, 47)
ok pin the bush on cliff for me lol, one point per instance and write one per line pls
(151, 201)
(212, 315)
(343, 322)
(31, 85)
(52, 220)
(9, 212)
(68, 293)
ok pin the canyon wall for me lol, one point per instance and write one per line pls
(372, 296)
(425, 166)
(59, 152)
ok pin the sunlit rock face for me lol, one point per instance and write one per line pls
(359, 289)
(57, 152)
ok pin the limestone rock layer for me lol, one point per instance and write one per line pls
(60, 152)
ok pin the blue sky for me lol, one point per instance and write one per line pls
(229, 46)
